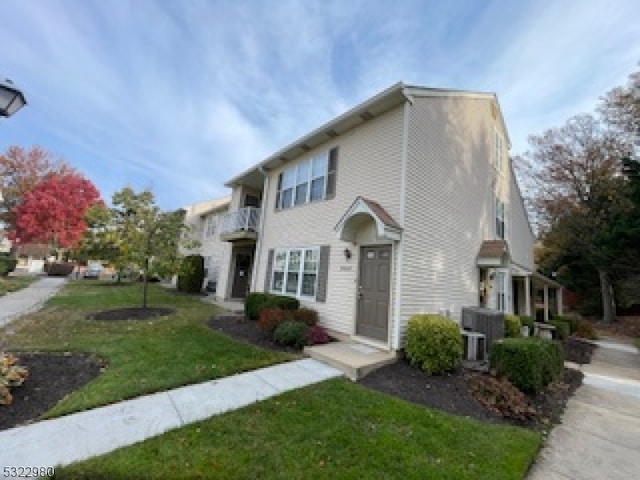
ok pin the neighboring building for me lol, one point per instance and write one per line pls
(407, 203)
(204, 220)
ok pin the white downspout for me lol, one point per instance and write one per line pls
(263, 211)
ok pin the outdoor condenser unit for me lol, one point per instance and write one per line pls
(475, 345)
(484, 320)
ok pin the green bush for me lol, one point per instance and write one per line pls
(434, 343)
(60, 269)
(527, 322)
(308, 316)
(529, 363)
(256, 301)
(512, 326)
(7, 265)
(291, 333)
(563, 328)
(191, 275)
(270, 318)
(572, 320)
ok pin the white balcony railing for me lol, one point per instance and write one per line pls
(245, 219)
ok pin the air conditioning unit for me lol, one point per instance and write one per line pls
(483, 320)
(475, 345)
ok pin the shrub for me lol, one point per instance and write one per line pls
(512, 326)
(11, 375)
(529, 363)
(500, 396)
(527, 322)
(60, 269)
(563, 328)
(291, 333)
(317, 335)
(256, 301)
(308, 316)
(434, 343)
(585, 330)
(191, 275)
(7, 265)
(270, 318)
(572, 320)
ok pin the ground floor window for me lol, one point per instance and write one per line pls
(295, 271)
(501, 291)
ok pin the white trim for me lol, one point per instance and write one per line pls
(287, 251)
(383, 231)
(264, 205)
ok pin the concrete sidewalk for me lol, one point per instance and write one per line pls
(29, 299)
(600, 432)
(83, 435)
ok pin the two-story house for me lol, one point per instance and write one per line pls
(406, 203)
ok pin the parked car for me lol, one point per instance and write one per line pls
(93, 271)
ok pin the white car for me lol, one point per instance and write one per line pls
(93, 271)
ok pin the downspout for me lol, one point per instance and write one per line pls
(403, 197)
(263, 211)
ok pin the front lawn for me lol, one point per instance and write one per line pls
(142, 356)
(335, 429)
(12, 284)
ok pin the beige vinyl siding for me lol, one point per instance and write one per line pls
(449, 203)
(369, 165)
(521, 238)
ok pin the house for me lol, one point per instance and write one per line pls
(406, 203)
(203, 220)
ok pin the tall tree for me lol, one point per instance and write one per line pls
(20, 171)
(577, 192)
(148, 237)
(54, 211)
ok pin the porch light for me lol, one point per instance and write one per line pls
(347, 253)
(11, 98)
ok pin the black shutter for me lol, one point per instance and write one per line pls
(323, 274)
(267, 281)
(278, 192)
(331, 173)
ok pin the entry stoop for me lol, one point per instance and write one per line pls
(354, 359)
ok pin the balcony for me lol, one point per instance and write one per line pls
(242, 224)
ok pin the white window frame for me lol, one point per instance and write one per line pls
(308, 179)
(210, 226)
(300, 271)
(498, 153)
(501, 290)
(500, 219)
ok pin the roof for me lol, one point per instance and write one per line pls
(386, 226)
(375, 106)
(381, 213)
(493, 253)
(208, 206)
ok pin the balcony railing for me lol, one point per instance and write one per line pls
(241, 224)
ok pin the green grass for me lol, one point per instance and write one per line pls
(12, 284)
(335, 429)
(142, 356)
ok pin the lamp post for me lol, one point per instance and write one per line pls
(11, 98)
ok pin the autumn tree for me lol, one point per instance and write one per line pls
(53, 211)
(577, 192)
(20, 171)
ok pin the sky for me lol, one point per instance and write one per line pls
(181, 95)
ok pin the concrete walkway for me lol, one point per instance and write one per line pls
(599, 437)
(83, 435)
(29, 299)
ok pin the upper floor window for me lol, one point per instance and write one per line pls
(498, 152)
(210, 226)
(308, 181)
(500, 219)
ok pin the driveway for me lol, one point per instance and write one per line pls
(599, 437)
(28, 299)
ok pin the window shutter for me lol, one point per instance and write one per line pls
(267, 281)
(331, 173)
(278, 192)
(323, 274)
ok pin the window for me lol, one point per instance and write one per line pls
(210, 226)
(309, 181)
(501, 290)
(295, 272)
(498, 153)
(500, 223)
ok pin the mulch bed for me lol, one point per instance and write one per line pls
(625, 326)
(51, 377)
(138, 313)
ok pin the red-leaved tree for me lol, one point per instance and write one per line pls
(54, 211)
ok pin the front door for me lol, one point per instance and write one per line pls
(372, 319)
(241, 275)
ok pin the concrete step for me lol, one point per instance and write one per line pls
(354, 359)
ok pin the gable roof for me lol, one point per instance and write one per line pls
(386, 226)
(493, 253)
(375, 106)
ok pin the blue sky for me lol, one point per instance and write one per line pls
(182, 95)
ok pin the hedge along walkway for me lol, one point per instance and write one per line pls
(86, 434)
(29, 299)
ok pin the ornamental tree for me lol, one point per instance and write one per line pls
(54, 211)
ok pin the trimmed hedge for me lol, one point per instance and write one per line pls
(563, 328)
(529, 363)
(434, 343)
(256, 301)
(572, 320)
(527, 322)
(191, 275)
(7, 265)
(308, 316)
(291, 333)
(60, 269)
(270, 318)
(512, 326)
